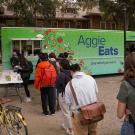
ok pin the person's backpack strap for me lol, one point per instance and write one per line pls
(73, 93)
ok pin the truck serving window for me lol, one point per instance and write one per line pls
(30, 47)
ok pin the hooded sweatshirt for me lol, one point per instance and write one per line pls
(39, 73)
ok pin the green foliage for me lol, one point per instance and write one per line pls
(115, 10)
(47, 9)
(29, 10)
(87, 4)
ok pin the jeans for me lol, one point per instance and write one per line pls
(26, 90)
(48, 97)
(127, 128)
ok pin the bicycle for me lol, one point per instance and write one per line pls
(12, 120)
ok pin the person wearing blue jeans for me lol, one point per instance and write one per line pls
(126, 96)
(48, 97)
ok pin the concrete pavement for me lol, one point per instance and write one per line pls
(38, 124)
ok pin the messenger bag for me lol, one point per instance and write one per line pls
(90, 113)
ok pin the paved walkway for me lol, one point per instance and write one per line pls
(38, 124)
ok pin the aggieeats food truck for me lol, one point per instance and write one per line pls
(97, 51)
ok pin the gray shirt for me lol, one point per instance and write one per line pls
(127, 95)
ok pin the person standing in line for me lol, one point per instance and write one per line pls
(25, 70)
(66, 55)
(86, 92)
(14, 60)
(59, 58)
(63, 78)
(52, 59)
(126, 94)
(45, 79)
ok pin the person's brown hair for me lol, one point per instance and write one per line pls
(44, 56)
(75, 67)
(129, 66)
(52, 55)
(64, 63)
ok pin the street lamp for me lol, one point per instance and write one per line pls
(125, 27)
(124, 7)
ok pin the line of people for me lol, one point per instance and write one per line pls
(52, 76)
(85, 85)
(86, 92)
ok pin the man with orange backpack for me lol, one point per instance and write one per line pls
(45, 79)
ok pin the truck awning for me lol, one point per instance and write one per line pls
(18, 39)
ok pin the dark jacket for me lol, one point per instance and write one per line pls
(62, 79)
(14, 61)
(25, 72)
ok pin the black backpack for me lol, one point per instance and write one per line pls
(30, 66)
(66, 78)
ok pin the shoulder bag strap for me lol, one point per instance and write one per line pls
(73, 93)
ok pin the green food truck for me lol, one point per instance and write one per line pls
(97, 51)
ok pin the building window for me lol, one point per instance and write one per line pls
(54, 24)
(120, 26)
(67, 24)
(10, 23)
(1, 10)
(40, 23)
(85, 24)
(78, 25)
(113, 26)
(102, 25)
(71, 10)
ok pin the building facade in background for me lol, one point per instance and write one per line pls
(71, 17)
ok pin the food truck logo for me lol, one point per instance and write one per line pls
(54, 40)
(97, 42)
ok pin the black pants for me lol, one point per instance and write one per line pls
(48, 97)
(26, 90)
(25, 84)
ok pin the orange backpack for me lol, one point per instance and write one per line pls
(49, 76)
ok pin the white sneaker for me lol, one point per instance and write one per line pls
(27, 99)
(53, 114)
(63, 127)
(68, 132)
